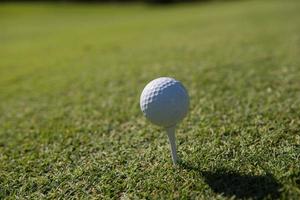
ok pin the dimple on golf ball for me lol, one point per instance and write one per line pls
(164, 101)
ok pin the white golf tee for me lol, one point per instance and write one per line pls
(172, 140)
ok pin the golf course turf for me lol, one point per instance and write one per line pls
(70, 81)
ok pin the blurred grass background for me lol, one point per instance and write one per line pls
(70, 80)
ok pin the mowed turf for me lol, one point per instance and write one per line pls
(70, 80)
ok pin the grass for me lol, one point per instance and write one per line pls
(70, 80)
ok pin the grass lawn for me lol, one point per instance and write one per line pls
(70, 80)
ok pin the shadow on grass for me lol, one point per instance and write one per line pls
(230, 183)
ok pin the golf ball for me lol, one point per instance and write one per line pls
(164, 101)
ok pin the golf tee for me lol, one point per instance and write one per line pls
(172, 140)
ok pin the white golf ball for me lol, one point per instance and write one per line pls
(164, 101)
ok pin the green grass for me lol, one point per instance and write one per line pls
(70, 80)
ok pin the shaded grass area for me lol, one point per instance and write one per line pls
(70, 80)
(235, 184)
